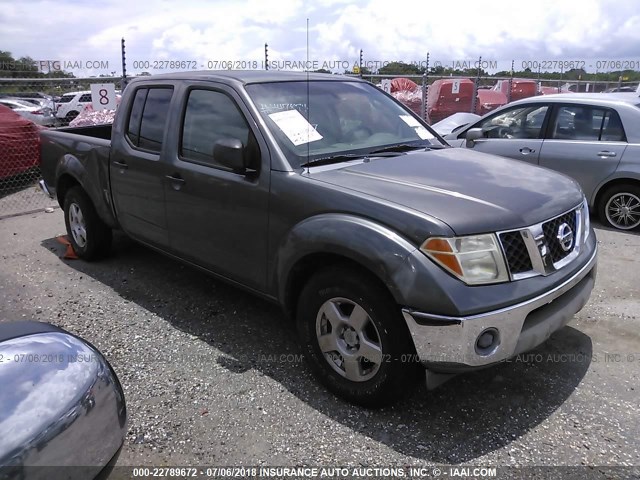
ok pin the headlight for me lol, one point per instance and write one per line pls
(475, 259)
(587, 220)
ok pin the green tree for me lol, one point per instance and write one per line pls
(400, 68)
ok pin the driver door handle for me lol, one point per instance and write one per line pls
(527, 151)
(606, 153)
(120, 164)
(177, 181)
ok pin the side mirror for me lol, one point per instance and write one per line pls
(230, 153)
(472, 135)
(62, 404)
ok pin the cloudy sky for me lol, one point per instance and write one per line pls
(204, 33)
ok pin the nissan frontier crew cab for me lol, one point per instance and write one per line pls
(391, 250)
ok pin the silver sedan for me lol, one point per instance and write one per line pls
(39, 115)
(594, 138)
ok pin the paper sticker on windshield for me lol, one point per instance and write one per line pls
(423, 133)
(409, 120)
(295, 127)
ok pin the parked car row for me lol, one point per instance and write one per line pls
(20, 117)
(69, 105)
(31, 110)
(46, 110)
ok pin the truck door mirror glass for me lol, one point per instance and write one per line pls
(472, 135)
(230, 153)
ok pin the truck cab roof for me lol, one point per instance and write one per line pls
(247, 76)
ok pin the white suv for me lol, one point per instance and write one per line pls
(69, 105)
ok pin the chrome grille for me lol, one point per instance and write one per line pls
(516, 252)
(543, 248)
(550, 230)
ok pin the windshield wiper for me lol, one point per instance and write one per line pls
(405, 147)
(344, 157)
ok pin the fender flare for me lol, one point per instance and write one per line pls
(375, 247)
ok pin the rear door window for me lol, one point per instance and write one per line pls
(133, 128)
(585, 122)
(612, 130)
(148, 117)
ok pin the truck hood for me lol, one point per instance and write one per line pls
(472, 192)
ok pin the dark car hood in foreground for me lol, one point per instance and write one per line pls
(472, 192)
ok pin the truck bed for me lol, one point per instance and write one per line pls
(81, 149)
(95, 131)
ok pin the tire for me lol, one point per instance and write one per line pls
(69, 117)
(619, 207)
(355, 315)
(88, 234)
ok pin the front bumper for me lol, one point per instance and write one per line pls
(449, 344)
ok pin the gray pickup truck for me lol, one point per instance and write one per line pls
(391, 250)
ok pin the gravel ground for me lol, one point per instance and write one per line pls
(213, 376)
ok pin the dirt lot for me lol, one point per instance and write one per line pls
(213, 376)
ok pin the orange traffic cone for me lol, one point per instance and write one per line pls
(69, 254)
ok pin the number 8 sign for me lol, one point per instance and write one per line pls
(103, 96)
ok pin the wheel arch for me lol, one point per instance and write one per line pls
(332, 239)
(597, 197)
(65, 182)
(309, 265)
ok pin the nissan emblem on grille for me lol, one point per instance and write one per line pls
(565, 237)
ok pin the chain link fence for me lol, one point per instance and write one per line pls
(434, 97)
(26, 107)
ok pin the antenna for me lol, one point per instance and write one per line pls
(308, 103)
(266, 56)
(124, 64)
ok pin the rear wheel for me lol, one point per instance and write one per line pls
(355, 338)
(88, 234)
(620, 207)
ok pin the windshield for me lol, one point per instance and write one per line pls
(324, 119)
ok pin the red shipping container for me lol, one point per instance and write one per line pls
(549, 90)
(408, 93)
(403, 85)
(449, 96)
(520, 88)
(489, 100)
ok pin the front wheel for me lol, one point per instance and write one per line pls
(88, 234)
(620, 207)
(355, 338)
